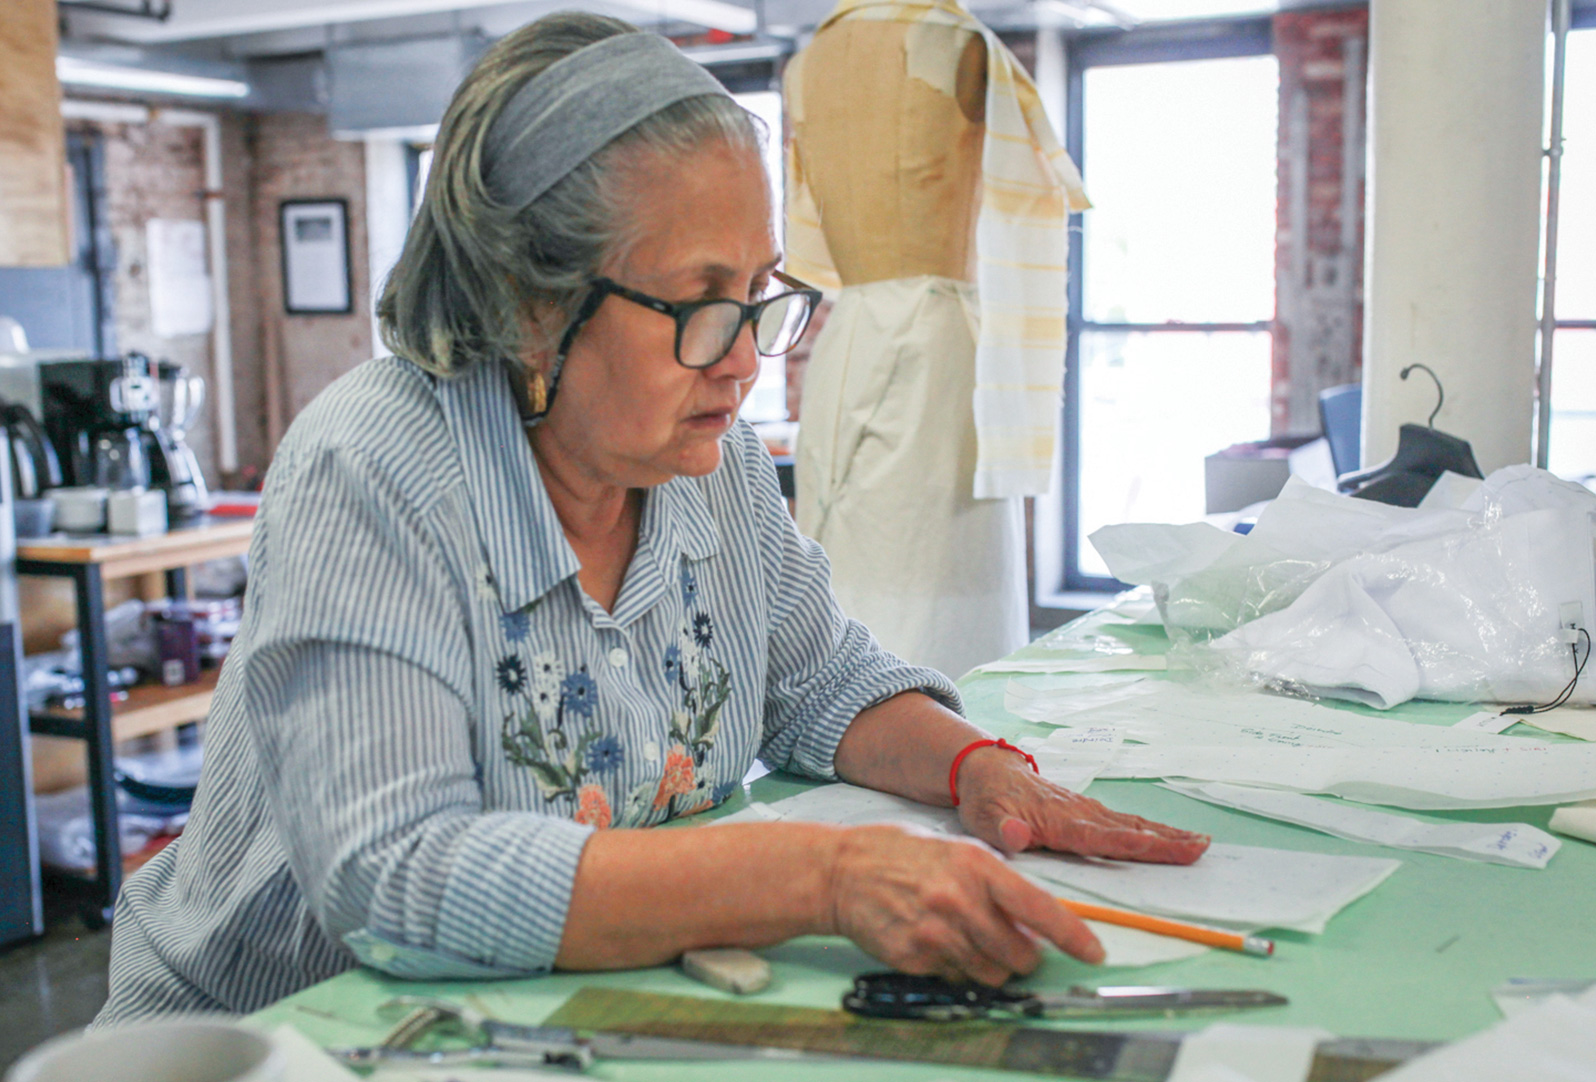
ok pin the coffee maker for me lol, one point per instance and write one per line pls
(95, 413)
(173, 465)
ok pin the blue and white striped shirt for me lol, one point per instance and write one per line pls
(424, 716)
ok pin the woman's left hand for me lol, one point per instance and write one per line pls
(1005, 803)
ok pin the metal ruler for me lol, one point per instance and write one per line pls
(1145, 1056)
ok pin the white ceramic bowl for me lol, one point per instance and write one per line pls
(187, 1050)
(79, 510)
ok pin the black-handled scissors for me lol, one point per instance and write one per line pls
(900, 995)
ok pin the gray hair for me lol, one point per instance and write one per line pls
(472, 268)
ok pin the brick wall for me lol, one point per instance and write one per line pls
(296, 158)
(1319, 240)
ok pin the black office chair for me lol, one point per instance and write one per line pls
(1341, 413)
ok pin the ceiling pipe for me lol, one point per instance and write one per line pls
(147, 9)
(210, 126)
(1554, 181)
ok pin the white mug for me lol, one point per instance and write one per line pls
(181, 1050)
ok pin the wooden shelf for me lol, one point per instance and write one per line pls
(120, 557)
(152, 708)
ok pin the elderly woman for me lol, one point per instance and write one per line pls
(528, 586)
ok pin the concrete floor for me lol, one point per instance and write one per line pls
(51, 984)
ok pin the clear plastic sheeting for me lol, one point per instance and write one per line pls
(1374, 604)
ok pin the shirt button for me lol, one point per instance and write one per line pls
(618, 658)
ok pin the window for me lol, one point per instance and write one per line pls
(1573, 427)
(767, 401)
(1172, 276)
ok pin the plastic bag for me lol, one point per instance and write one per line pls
(1355, 600)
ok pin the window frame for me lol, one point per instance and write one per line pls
(1208, 39)
(1582, 18)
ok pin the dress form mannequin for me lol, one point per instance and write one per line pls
(888, 130)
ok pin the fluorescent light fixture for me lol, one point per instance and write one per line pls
(1087, 12)
(72, 70)
(715, 14)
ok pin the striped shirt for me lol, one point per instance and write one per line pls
(424, 716)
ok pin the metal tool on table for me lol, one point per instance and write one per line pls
(506, 1044)
(1114, 1055)
(903, 996)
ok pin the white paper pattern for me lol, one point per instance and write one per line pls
(1488, 721)
(1226, 1051)
(853, 806)
(1158, 712)
(1126, 662)
(1576, 721)
(1549, 1043)
(1508, 776)
(1517, 844)
(1239, 886)
(1576, 820)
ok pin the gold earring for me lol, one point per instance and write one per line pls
(537, 391)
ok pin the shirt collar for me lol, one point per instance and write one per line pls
(682, 519)
(522, 538)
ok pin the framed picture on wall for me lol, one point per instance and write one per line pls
(315, 240)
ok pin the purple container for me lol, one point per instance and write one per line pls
(178, 641)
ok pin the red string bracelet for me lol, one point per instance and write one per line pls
(953, 772)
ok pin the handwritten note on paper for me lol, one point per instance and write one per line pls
(1077, 758)
(1435, 778)
(1517, 844)
(1241, 886)
(1488, 721)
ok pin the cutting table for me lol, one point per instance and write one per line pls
(1414, 959)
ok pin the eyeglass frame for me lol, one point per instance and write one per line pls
(684, 311)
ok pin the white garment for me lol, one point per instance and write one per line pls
(885, 462)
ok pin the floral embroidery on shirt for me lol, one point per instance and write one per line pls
(705, 686)
(605, 755)
(704, 683)
(517, 625)
(678, 779)
(593, 807)
(511, 674)
(534, 734)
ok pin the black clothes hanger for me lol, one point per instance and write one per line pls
(1423, 453)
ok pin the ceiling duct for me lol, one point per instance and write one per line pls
(396, 84)
(158, 10)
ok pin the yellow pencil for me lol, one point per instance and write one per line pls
(1212, 937)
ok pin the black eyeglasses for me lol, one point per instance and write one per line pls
(707, 330)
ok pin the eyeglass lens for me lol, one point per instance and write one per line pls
(711, 330)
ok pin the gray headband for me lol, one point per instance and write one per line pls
(573, 108)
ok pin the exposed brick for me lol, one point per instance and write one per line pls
(1318, 330)
(296, 158)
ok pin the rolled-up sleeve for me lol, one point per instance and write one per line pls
(356, 692)
(823, 668)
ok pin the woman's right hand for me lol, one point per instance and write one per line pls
(950, 907)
